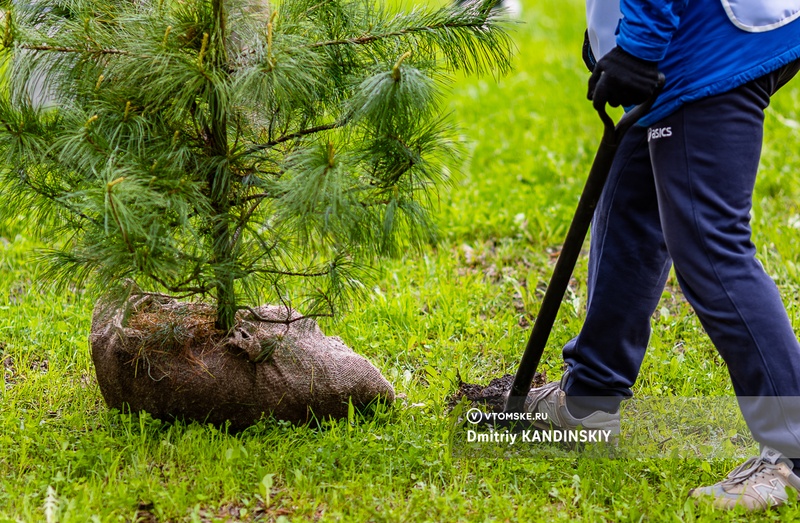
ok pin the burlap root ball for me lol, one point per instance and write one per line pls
(164, 357)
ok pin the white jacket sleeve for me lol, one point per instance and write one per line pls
(602, 20)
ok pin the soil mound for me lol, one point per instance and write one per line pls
(491, 397)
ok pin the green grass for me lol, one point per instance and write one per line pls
(461, 309)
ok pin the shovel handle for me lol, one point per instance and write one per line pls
(570, 250)
(616, 131)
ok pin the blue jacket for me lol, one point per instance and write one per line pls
(706, 47)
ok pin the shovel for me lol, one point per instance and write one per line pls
(612, 136)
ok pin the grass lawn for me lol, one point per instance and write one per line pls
(461, 309)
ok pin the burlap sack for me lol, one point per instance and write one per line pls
(164, 357)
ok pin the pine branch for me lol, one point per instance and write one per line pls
(304, 132)
(370, 38)
(183, 286)
(259, 196)
(288, 321)
(89, 50)
(163, 295)
(109, 189)
(58, 201)
(243, 220)
(291, 136)
(293, 273)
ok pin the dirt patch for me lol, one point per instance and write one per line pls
(229, 513)
(144, 513)
(40, 366)
(9, 369)
(491, 397)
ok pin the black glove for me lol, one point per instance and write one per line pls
(619, 78)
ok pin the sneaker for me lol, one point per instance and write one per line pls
(550, 402)
(760, 482)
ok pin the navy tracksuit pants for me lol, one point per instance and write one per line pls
(680, 193)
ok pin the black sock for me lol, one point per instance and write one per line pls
(796, 469)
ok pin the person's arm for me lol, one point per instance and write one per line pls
(628, 74)
(647, 26)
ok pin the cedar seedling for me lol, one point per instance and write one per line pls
(245, 151)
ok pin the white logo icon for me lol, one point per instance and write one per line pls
(474, 416)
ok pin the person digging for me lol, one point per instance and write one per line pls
(679, 194)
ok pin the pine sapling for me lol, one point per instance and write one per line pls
(241, 150)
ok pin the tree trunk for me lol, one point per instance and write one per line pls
(219, 179)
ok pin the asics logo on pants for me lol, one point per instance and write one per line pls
(655, 133)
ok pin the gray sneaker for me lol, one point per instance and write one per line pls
(550, 402)
(760, 482)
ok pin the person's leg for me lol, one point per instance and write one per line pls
(628, 266)
(705, 171)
